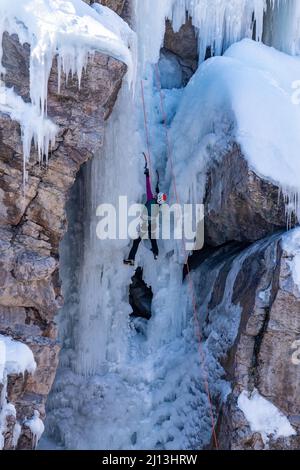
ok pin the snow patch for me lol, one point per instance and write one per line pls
(264, 417)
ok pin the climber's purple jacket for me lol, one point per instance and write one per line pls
(148, 189)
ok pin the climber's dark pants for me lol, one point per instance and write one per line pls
(137, 242)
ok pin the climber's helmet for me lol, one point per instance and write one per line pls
(161, 198)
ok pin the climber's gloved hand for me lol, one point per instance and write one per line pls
(146, 172)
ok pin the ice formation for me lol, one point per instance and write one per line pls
(117, 388)
(41, 129)
(264, 417)
(220, 23)
(70, 30)
(36, 426)
(246, 98)
(282, 25)
(15, 358)
(292, 246)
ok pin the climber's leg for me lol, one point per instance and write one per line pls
(133, 252)
(154, 246)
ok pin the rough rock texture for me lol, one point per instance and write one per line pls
(240, 205)
(182, 47)
(116, 5)
(31, 226)
(262, 355)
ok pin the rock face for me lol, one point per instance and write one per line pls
(243, 207)
(32, 225)
(116, 5)
(263, 357)
(140, 296)
(181, 52)
(240, 205)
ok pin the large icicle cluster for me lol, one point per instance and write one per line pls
(70, 30)
(219, 23)
(15, 358)
(253, 106)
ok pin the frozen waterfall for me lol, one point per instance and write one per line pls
(118, 388)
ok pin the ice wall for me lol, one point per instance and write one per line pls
(118, 388)
(218, 23)
(282, 25)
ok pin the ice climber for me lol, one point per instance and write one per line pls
(148, 225)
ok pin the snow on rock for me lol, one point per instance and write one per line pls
(264, 417)
(70, 30)
(246, 97)
(18, 358)
(36, 426)
(6, 410)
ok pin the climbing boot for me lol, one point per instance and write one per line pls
(129, 262)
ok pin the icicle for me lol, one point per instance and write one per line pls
(71, 32)
(292, 208)
(36, 426)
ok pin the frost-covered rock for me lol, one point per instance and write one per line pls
(183, 43)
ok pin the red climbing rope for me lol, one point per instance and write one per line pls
(190, 281)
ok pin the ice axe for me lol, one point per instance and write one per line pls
(146, 160)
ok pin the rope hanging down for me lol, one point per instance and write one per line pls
(146, 128)
(190, 281)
